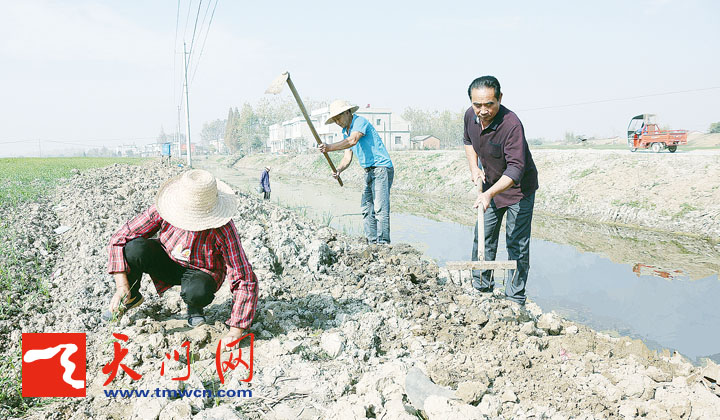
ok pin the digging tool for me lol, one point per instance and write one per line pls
(276, 87)
(481, 264)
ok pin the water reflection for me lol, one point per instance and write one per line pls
(649, 270)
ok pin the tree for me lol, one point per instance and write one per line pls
(446, 125)
(248, 130)
(535, 141)
(714, 127)
(162, 137)
(229, 138)
(212, 131)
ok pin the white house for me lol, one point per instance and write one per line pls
(294, 135)
(127, 150)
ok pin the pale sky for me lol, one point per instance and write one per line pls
(95, 73)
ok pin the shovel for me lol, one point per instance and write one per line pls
(481, 264)
(277, 87)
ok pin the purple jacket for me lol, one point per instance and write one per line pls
(503, 150)
(265, 181)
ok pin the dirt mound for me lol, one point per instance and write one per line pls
(669, 192)
(696, 139)
(340, 327)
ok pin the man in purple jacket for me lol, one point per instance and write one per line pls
(495, 136)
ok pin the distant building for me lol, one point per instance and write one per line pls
(295, 136)
(144, 150)
(424, 142)
(127, 150)
(183, 148)
(218, 146)
(151, 150)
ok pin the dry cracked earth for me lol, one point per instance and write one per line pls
(343, 330)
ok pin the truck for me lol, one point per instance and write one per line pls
(643, 133)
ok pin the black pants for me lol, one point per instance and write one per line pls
(267, 195)
(197, 288)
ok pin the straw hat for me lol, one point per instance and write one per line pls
(338, 107)
(196, 201)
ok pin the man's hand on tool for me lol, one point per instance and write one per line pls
(323, 148)
(476, 174)
(484, 199)
(336, 174)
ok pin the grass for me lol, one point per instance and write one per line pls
(327, 218)
(581, 174)
(634, 204)
(23, 273)
(685, 208)
(26, 179)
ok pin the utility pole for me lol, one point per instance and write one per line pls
(177, 134)
(187, 108)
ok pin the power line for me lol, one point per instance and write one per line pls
(18, 141)
(177, 21)
(95, 141)
(69, 144)
(187, 19)
(202, 24)
(207, 9)
(192, 41)
(619, 99)
(202, 48)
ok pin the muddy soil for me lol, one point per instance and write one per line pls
(343, 330)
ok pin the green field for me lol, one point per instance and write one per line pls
(25, 179)
(23, 277)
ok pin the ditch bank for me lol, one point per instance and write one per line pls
(343, 330)
(677, 193)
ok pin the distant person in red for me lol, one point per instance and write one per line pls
(197, 247)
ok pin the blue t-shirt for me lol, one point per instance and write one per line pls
(370, 149)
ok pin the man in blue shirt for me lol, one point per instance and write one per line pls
(360, 137)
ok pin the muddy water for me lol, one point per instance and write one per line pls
(622, 280)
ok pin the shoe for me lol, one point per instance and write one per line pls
(135, 301)
(511, 300)
(196, 317)
(485, 289)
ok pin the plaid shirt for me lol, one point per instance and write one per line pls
(214, 251)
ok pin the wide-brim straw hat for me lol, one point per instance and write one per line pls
(195, 201)
(338, 107)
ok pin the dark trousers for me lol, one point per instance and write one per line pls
(267, 195)
(197, 288)
(517, 238)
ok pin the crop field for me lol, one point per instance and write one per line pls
(26, 256)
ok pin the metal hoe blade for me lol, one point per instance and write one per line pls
(278, 84)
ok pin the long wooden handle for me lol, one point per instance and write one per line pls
(481, 233)
(312, 127)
